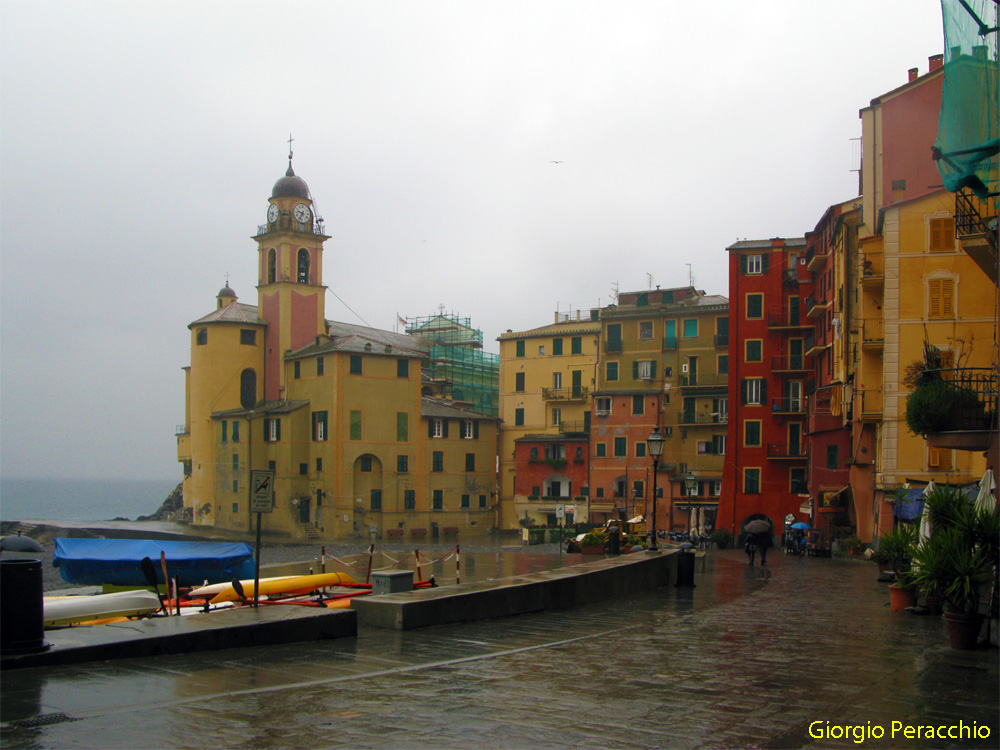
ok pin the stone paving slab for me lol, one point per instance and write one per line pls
(748, 658)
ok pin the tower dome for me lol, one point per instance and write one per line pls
(225, 296)
(290, 186)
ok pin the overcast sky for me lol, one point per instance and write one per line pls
(140, 142)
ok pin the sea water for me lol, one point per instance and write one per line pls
(81, 499)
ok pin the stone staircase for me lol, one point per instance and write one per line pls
(310, 531)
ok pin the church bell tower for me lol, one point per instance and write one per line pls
(290, 291)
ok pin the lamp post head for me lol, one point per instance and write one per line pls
(654, 444)
(691, 484)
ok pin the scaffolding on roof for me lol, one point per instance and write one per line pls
(456, 363)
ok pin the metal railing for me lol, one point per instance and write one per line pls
(781, 450)
(873, 331)
(287, 223)
(791, 363)
(980, 414)
(722, 339)
(787, 320)
(970, 213)
(576, 393)
(789, 405)
(689, 418)
(873, 263)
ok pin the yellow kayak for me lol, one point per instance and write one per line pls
(284, 585)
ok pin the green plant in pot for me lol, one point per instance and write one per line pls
(593, 542)
(957, 562)
(897, 545)
(852, 544)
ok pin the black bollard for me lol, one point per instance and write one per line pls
(685, 568)
(21, 629)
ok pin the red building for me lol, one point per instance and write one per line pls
(830, 252)
(552, 468)
(766, 472)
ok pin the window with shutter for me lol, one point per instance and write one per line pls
(940, 298)
(942, 235)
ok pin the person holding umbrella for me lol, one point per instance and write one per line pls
(758, 538)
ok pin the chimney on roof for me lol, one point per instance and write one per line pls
(935, 61)
(914, 72)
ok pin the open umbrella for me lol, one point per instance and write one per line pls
(925, 521)
(985, 500)
(801, 525)
(757, 526)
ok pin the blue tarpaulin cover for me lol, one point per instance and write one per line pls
(94, 562)
(912, 504)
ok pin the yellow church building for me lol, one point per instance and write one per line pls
(359, 438)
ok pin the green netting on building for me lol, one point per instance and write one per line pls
(968, 137)
(457, 365)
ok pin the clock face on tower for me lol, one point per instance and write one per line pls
(302, 213)
(272, 213)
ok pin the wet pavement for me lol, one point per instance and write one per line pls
(747, 658)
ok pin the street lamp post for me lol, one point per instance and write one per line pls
(654, 444)
(691, 486)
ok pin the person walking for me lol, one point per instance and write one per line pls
(614, 539)
(762, 540)
(749, 548)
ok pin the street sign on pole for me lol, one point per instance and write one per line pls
(261, 491)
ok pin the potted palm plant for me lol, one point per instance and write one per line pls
(897, 545)
(957, 560)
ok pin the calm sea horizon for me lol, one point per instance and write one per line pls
(81, 499)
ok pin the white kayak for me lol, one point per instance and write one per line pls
(67, 610)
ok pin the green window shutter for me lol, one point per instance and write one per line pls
(225, 424)
(519, 348)
(743, 264)
(764, 262)
(635, 370)
(470, 461)
(267, 430)
(475, 430)
(402, 426)
(557, 346)
(576, 345)
(444, 427)
(355, 424)
(277, 429)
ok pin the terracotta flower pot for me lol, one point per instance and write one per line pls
(901, 597)
(963, 629)
(592, 549)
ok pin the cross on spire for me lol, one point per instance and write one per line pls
(290, 139)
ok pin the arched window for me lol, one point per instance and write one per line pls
(248, 388)
(303, 266)
(271, 266)
(202, 337)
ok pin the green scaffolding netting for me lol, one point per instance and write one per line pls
(967, 143)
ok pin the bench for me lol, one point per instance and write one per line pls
(418, 533)
(395, 534)
(450, 531)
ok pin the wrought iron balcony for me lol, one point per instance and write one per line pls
(982, 381)
(787, 452)
(791, 363)
(873, 268)
(287, 223)
(669, 343)
(694, 418)
(873, 334)
(722, 339)
(577, 393)
(787, 320)
(972, 227)
(788, 405)
(871, 405)
(613, 345)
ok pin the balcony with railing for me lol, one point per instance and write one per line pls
(873, 268)
(873, 334)
(791, 363)
(689, 418)
(613, 345)
(669, 343)
(816, 256)
(871, 405)
(789, 405)
(816, 307)
(972, 394)
(288, 223)
(813, 347)
(972, 228)
(703, 380)
(787, 452)
(791, 321)
(722, 339)
(575, 393)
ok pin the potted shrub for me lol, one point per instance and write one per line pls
(722, 538)
(593, 543)
(958, 560)
(897, 545)
(852, 544)
(881, 558)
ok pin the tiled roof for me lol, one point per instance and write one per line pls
(235, 312)
(766, 244)
(434, 408)
(362, 339)
(281, 406)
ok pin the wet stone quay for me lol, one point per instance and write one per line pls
(776, 657)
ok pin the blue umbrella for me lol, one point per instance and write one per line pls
(801, 525)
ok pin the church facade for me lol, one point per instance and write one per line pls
(360, 440)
